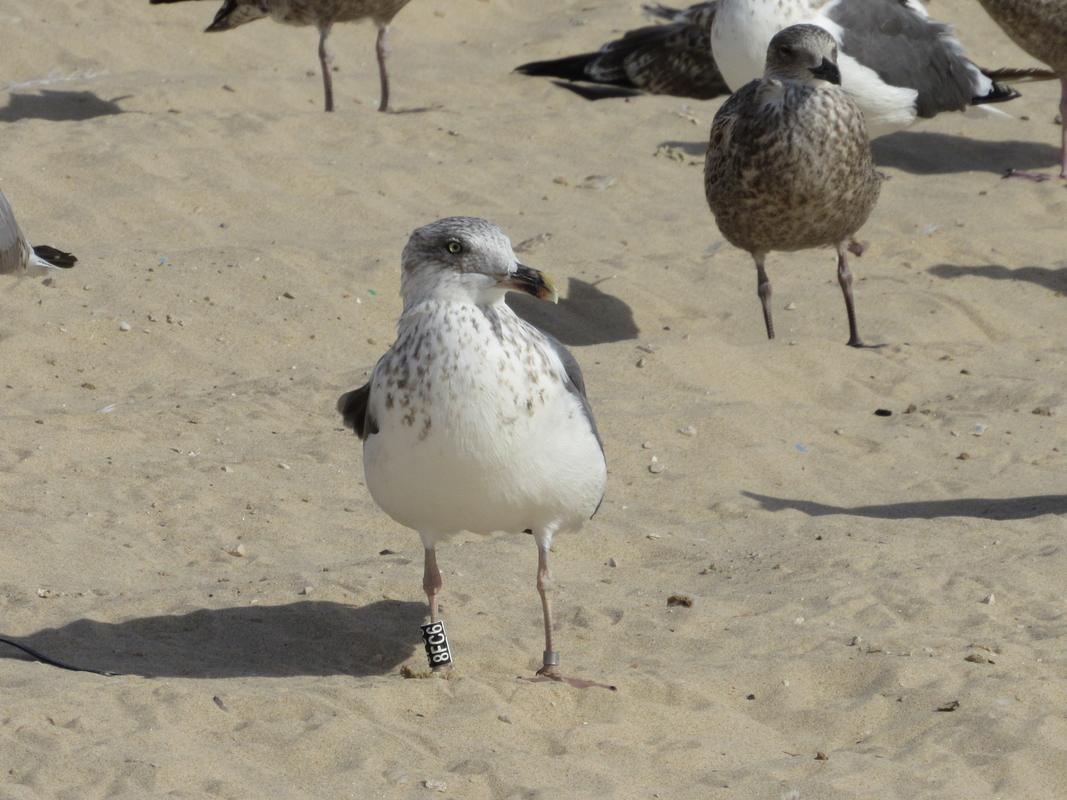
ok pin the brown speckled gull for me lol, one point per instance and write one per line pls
(320, 13)
(474, 420)
(789, 162)
(1040, 28)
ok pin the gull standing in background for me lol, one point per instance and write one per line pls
(475, 420)
(789, 162)
(895, 61)
(1040, 28)
(320, 13)
(16, 255)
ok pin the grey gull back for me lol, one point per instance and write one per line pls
(789, 161)
(895, 61)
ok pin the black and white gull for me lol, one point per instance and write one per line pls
(17, 257)
(789, 161)
(673, 58)
(322, 14)
(475, 420)
(896, 62)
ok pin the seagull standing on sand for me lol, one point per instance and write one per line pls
(16, 255)
(895, 61)
(475, 420)
(1040, 28)
(672, 58)
(320, 13)
(789, 162)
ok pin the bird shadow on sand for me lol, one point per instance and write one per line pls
(59, 106)
(415, 109)
(585, 316)
(995, 508)
(307, 638)
(595, 92)
(695, 149)
(929, 153)
(1053, 279)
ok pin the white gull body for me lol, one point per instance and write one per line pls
(475, 420)
(929, 73)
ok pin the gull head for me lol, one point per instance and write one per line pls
(466, 259)
(805, 54)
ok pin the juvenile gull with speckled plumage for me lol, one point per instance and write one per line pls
(789, 162)
(475, 420)
(673, 58)
(1040, 28)
(320, 13)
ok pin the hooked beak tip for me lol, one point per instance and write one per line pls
(532, 281)
(827, 71)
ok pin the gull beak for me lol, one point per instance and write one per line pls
(532, 281)
(827, 71)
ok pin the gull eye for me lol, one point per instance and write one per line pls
(785, 50)
(454, 246)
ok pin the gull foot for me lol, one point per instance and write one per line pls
(1035, 177)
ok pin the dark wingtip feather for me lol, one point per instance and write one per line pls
(1000, 93)
(353, 409)
(571, 68)
(57, 258)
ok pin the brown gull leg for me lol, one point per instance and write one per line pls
(844, 277)
(383, 73)
(325, 60)
(763, 289)
(1040, 177)
(544, 580)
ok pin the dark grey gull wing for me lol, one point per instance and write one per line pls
(353, 407)
(906, 48)
(575, 384)
(673, 59)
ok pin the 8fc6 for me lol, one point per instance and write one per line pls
(438, 653)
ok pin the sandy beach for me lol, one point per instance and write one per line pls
(180, 503)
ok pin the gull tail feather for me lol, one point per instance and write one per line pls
(51, 258)
(998, 93)
(571, 68)
(661, 10)
(1023, 75)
